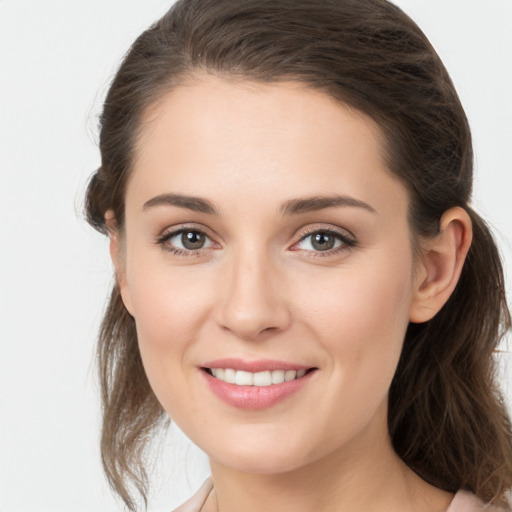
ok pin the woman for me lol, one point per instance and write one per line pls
(301, 283)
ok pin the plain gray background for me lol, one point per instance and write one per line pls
(56, 60)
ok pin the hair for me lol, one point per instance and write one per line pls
(447, 418)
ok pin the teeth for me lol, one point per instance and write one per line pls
(243, 378)
(260, 379)
(277, 376)
(219, 373)
(229, 375)
(290, 375)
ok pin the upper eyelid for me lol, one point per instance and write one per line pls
(174, 230)
(342, 232)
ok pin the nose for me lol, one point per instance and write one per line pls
(253, 304)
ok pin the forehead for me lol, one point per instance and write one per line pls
(212, 107)
(215, 136)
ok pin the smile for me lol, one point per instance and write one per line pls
(270, 382)
(263, 378)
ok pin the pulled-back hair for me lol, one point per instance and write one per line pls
(447, 419)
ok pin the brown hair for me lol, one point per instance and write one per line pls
(447, 418)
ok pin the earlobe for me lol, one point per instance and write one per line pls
(118, 259)
(441, 264)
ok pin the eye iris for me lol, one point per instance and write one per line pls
(322, 242)
(192, 239)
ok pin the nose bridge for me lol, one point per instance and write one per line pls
(254, 300)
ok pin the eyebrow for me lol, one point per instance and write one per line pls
(196, 204)
(314, 203)
(291, 207)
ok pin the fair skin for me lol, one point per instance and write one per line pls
(326, 285)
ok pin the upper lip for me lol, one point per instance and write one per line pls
(254, 366)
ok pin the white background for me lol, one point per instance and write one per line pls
(56, 60)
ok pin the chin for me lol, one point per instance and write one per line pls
(264, 456)
(260, 463)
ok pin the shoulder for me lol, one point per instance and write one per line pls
(195, 503)
(465, 501)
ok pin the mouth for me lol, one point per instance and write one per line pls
(254, 385)
(263, 378)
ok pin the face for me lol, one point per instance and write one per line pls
(267, 261)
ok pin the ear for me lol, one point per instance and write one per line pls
(118, 259)
(440, 264)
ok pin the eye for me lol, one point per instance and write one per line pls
(185, 240)
(324, 240)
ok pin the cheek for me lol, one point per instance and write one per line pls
(166, 300)
(357, 299)
(359, 319)
(168, 307)
(165, 333)
(360, 316)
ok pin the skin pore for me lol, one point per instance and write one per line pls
(263, 224)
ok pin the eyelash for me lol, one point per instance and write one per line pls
(347, 242)
(176, 251)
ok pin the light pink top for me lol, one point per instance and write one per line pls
(463, 501)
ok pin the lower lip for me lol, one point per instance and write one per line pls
(255, 397)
